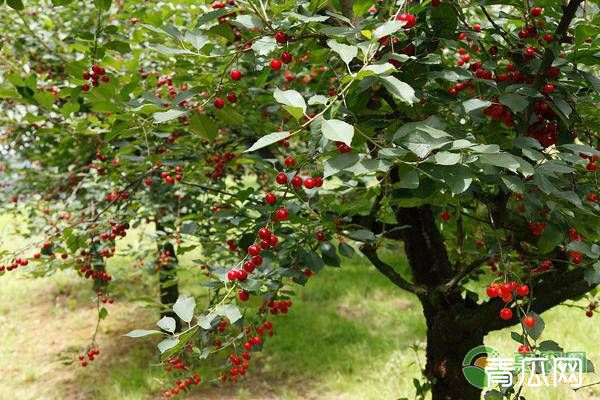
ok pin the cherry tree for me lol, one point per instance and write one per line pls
(278, 139)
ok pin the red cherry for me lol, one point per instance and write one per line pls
(241, 274)
(149, 181)
(523, 290)
(86, 75)
(243, 295)
(231, 97)
(105, 79)
(275, 64)
(281, 178)
(549, 88)
(591, 166)
(436, 3)
(232, 275)
(219, 103)
(270, 198)
(273, 240)
(290, 161)
(505, 289)
(296, 181)
(253, 250)
(445, 216)
(506, 314)
(524, 349)
(286, 57)
(282, 214)
(320, 235)
(249, 266)
(492, 291)
(523, 33)
(409, 19)
(589, 313)
(85, 87)
(536, 11)
(476, 27)
(235, 74)
(257, 260)
(309, 183)
(281, 37)
(529, 321)
(318, 181)
(264, 233)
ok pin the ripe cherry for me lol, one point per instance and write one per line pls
(241, 274)
(589, 313)
(253, 250)
(243, 295)
(309, 183)
(290, 161)
(524, 349)
(296, 181)
(445, 216)
(232, 275)
(436, 3)
(219, 103)
(249, 267)
(320, 235)
(286, 57)
(281, 178)
(264, 233)
(231, 97)
(85, 87)
(523, 290)
(281, 37)
(506, 314)
(270, 198)
(235, 74)
(536, 11)
(408, 19)
(257, 260)
(275, 64)
(282, 214)
(492, 291)
(529, 321)
(476, 27)
(591, 166)
(549, 88)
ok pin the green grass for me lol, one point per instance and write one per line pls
(348, 336)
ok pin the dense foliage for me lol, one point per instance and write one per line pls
(280, 137)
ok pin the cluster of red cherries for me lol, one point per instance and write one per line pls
(91, 355)
(96, 75)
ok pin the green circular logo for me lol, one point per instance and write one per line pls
(474, 363)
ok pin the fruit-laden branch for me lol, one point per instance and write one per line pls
(549, 290)
(559, 36)
(389, 272)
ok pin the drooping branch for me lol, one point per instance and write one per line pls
(389, 272)
(467, 270)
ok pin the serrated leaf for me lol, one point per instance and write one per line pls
(337, 130)
(268, 140)
(196, 38)
(184, 308)
(167, 323)
(136, 333)
(264, 45)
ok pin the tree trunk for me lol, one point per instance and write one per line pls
(167, 279)
(447, 345)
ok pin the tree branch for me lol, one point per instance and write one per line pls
(473, 266)
(370, 252)
(551, 289)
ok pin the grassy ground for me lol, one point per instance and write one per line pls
(348, 336)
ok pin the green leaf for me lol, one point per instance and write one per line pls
(103, 313)
(592, 274)
(15, 4)
(196, 38)
(231, 311)
(292, 100)
(264, 45)
(513, 183)
(310, 259)
(103, 4)
(346, 52)
(167, 344)
(387, 29)
(338, 163)
(458, 178)
(44, 98)
(211, 15)
(503, 160)
(184, 308)
(515, 102)
(229, 116)
(517, 337)
(136, 333)
(317, 99)
(535, 332)
(550, 345)
(118, 46)
(446, 158)
(337, 130)
(346, 250)
(401, 90)
(550, 238)
(329, 254)
(362, 235)
(160, 117)
(167, 323)
(203, 126)
(268, 140)
(475, 104)
(169, 51)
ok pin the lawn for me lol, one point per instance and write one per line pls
(349, 335)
